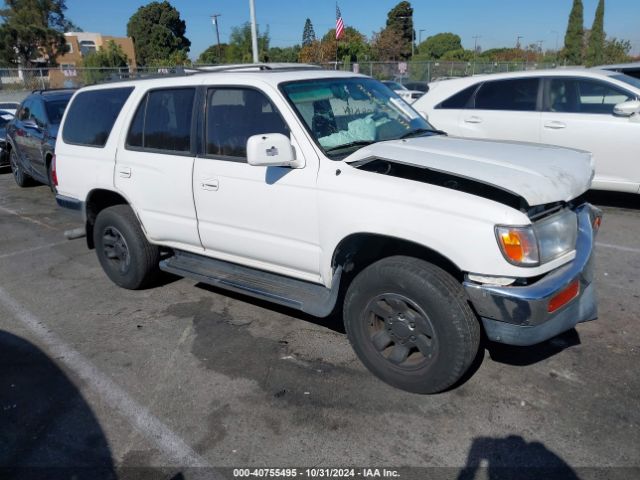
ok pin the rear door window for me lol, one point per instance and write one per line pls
(92, 115)
(163, 121)
(459, 100)
(520, 95)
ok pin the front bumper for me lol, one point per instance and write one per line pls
(519, 315)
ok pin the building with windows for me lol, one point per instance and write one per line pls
(80, 44)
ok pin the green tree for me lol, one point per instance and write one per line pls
(31, 29)
(400, 19)
(616, 51)
(158, 33)
(240, 49)
(595, 48)
(103, 63)
(285, 55)
(210, 55)
(352, 45)
(436, 46)
(574, 38)
(309, 34)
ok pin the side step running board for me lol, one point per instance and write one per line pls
(309, 297)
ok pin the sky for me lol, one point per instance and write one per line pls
(497, 22)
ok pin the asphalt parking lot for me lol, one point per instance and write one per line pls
(184, 375)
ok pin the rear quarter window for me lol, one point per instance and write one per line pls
(92, 114)
(459, 100)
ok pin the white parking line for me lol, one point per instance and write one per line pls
(34, 249)
(28, 219)
(618, 247)
(147, 424)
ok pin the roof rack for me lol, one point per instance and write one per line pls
(253, 66)
(40, 91)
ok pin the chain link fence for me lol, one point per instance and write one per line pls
(14, 82)
(431, 71)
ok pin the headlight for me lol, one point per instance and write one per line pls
(541, 242)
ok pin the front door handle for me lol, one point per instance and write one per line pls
(210, 184)
(124, 172)
(555, 125)
(473, 119)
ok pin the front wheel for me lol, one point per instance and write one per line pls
(126, 256)
(410, 324)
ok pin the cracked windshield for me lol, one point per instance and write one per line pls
(345, 114)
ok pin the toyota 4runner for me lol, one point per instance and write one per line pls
(325, 192)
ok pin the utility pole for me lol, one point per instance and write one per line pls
(420, 36)
(540, 42)
(520, 37)
(254, 30)
(475, 52)
(214, 19)
(557, 38)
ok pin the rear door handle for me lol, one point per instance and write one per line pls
(555, 125)
(124, 172)
(210, 184)
(473, 119)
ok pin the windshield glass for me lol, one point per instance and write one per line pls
(635, 82)
(344, 114)
(394, 86)
(55, 110)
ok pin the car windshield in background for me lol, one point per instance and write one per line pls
(634, 82)
(344, 114)
(394, 85)
(55, 110)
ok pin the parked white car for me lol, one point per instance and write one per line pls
(592, 110)
(324, 191)
(406, 94)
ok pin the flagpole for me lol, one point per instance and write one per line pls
(337, 39)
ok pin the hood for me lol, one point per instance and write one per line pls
(539, 174)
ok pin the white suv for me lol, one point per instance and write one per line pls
(324, 191)
(593, 110)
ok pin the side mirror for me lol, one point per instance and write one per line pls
(627, 109)
(272, 150)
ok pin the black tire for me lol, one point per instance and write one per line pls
(126, 256)
(410, 324)
(19, 175)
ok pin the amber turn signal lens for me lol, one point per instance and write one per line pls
(564, 297)
(512, 244)
(596, 223)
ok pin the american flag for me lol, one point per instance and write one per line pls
(339, 23)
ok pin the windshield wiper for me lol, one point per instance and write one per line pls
(421, 131)
(357, 143)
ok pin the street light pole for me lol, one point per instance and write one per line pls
(475, 52)
(420, 36)
(214, 19)
(254, 30)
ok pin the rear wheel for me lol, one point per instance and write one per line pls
(126, 256)
(410, 324)
(19, 175)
